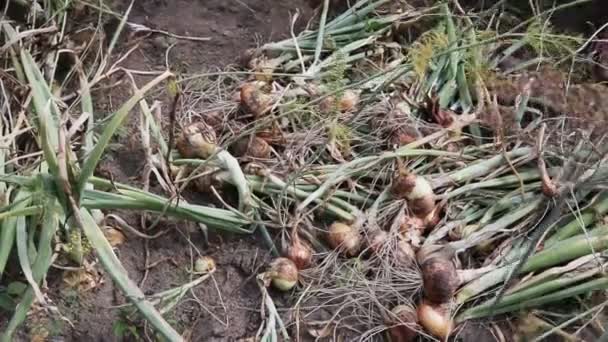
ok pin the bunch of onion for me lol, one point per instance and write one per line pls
(198, 140)
(254, 99)
(252, 146)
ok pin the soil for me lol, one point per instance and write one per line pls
(227, 306)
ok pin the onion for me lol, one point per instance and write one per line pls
(283, 273)
(344, 237)
(254, 100)
(435, 319)
(417, 190)
(253, 147)
(300, 253)
(404, 253)
(432, 219)
(204, 264)
(404, 324)
(247, 57)
(347, 103)
(427, 251)
(114, 236)
(440, 279)
(376, 240)
(208, 180)
(197, 140)
(400, 137)
(264, 67)
(410, 223)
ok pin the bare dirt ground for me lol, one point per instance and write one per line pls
(225, 308)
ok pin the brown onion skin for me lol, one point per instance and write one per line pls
(422, 207)
(345, 238)
(440, 279)
(300, 253)
(254, 100)
(283, 269)
(403, 329)
(376, 240)
(403, 184)
(253, 147)
(435, 318)
(401, 138)
(411, 223)
(404, 253)
(432, 219)
(259, 148)
(197, 132)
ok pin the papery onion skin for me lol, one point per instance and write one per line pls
(344, 237)
(376, 240)
(410, 223)
(204, 264)
(403, 328)
(283, 274)
(435, 319)
(253, 147)
(440, 279)
(432, 219)
(254, 100)
(197, 140)
(300, 253)
(417, 190)
(348, 102)
(404, 253)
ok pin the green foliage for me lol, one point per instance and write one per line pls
(124, 329)
(426, 47)
(545, 41)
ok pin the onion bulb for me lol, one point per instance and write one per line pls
(440, 279)
(300, 253)
(253, 147)
(404, 324)
(247, 57)
(347, 103)
(404, 253)
(376, 240)
(197, 140)
(417, 190)
(344, 237)
(204, 264)
(206, 180)
(254, 99)
(264, 67)
(435, 319)
(410, 223)
(283, 273)
(400, 137)
(432, 219)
